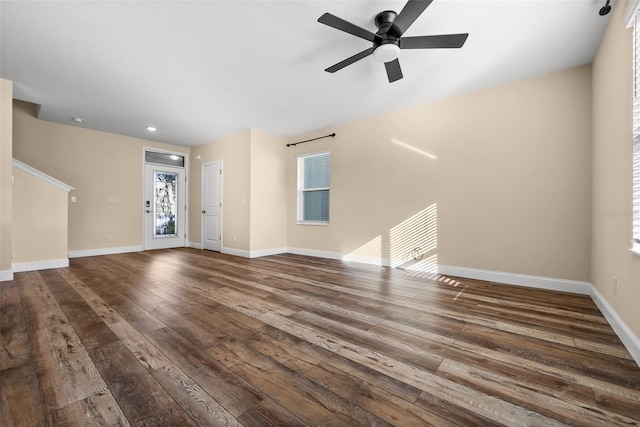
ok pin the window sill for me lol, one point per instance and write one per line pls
(635, 249)
(312, 223)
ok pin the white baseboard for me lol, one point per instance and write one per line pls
(267, 252)
(253, 254)
(541, 282)
(236, 252)
(6, 275)
(104, 251)
(40, 265)
(195, 245)
(315, 253)
(628, 338)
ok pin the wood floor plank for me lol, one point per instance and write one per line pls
(564, 375)
(40, 308)
(142, 399)
(192, 337)
(617, 404)
(20, 400)
(399, 350)
(199, 332)
(89, 327)
(452, 412)
(312, 402)
(216, 379)
(498, 324)
(269, 413)
(149, 356)
(566, 410)
(67, 373)
(356, 370)
(15, 347)
(380, 403)
(535, 377)
(97, 410)
(291, 356)
(130, 311)
(494, 409)
(196, 402)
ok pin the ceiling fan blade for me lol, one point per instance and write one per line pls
(408, 15)
(434, 42)
(357, 57)
(347, 27)
(394, 72)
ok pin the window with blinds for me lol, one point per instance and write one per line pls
(636, 131)
(313, 188)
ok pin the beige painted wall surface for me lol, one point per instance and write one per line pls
(233, 150)
(98, 165)
(497, 180)
(612, 202)
(268, 191)
(40, 219)
(6, 137)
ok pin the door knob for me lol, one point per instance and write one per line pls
(204, 212)
(148, 211)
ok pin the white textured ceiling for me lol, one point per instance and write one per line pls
(202, 70)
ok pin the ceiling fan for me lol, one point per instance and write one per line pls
(388, 40)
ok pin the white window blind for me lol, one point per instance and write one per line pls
(313, 188)
(636, 131)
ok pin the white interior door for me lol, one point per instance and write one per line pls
(164, 207)
(212, 206)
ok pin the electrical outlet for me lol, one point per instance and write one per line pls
(615, 286)
(109, 238)
(235, 238)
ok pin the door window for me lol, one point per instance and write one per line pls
(165, 205)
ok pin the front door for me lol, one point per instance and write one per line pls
(212, 206)
(164, 207)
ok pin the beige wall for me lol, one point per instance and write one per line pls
(501, 176)
(6, 131)
(612, 203)
(98, 165)
(234, 151)
(254, 190)
(268, 191)
(40, 219)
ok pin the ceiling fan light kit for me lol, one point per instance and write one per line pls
(386, 52)
(388, 40)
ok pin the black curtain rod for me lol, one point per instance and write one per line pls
(309, 140)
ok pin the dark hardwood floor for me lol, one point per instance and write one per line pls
(188, 337)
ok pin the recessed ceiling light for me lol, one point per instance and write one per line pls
(77, 119)
(151, 128)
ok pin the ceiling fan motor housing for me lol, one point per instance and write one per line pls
(384, 23)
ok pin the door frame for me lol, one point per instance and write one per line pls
(146, 148)
(202, 202)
